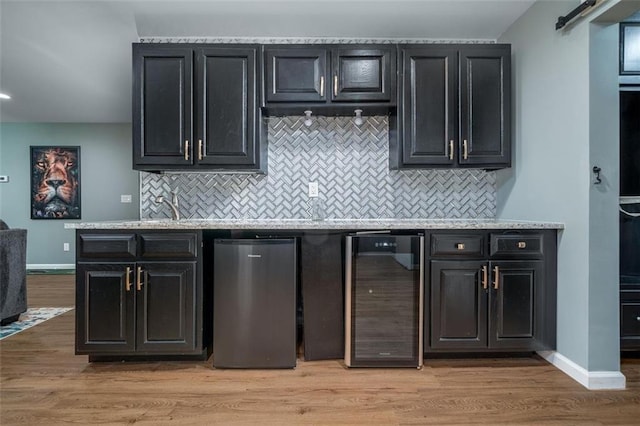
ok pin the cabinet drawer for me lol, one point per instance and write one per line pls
(457, 244)
(171, 245)
(122, 246)
(520, 245)
(630, 319)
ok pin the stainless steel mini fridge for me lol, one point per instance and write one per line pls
(254, 305)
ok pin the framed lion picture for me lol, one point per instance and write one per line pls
(55, 182)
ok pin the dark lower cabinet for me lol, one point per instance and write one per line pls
(105, 309)
(458, 305)
(139, 307)
(492, 305)
(630, 319)
(322, 282)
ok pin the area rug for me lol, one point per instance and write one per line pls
(28, 319)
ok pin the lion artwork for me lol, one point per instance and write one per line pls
(55, 184)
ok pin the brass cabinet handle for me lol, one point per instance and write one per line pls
(465, 149)
(451, 149)
(186, 150)
(127, 280)
(335, 85)
(139, 279)
(200, 149)
(485, 277)
(496, 283)
(322, 85)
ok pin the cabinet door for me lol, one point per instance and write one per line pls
(226, 103)
(429, 106)
(363, 75)
(485, 110)
(513, 320)
(458, 305)
(295, 74)
(322, 276)
(162, 106)
(165, 307)
(104, 308)
(630, 320)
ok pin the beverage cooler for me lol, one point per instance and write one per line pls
(384, 289)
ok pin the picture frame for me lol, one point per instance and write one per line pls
(55, 182)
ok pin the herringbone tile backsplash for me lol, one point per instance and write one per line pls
(351, 166)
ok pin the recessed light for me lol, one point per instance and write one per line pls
(4, 96)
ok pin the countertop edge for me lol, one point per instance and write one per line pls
(305, 224)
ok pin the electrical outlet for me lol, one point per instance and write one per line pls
(125, 198)
(65, 246)
(313, 189)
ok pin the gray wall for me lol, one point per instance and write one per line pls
(105, 174)
(565, 119)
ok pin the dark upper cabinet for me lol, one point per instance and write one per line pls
(296, 74)
(363, 74)
(330, 76)
(195, 107)
(162, 106)
(454, 107)
(228, 120)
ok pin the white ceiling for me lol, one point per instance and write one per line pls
(70, 61)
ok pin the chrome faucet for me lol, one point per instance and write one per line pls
(175, 213)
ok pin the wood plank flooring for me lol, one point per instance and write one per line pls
(44, 383)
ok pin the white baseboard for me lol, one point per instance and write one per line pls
(50, 266)
(592, 380)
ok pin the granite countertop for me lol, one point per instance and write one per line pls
(346, 224)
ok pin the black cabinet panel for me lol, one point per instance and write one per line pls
(214, 87)
(363, 74)
(457, 245)
(296, 74)
(519, 245)
(322, 278)
(107, 245)
(458, 305)
(104, 308)
(227, 106)
(165, 307)
(168, 245)
(482, 305)
(330, 78)
(162, 105)
(429, 105)
(140, 307)
(455, 107)
(630, 320)
(513, 303)
(485, 106)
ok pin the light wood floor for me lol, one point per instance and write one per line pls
(43, 383)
